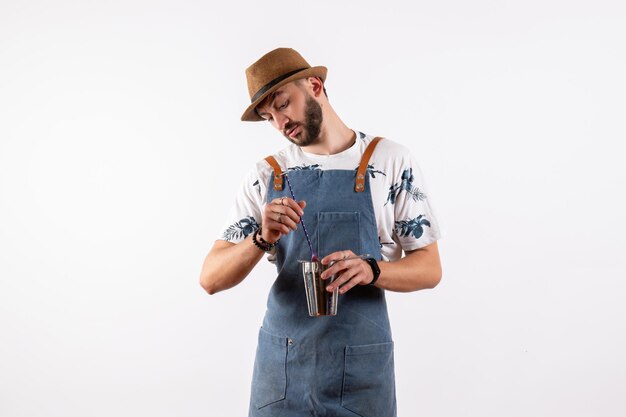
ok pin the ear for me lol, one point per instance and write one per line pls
(316, 86)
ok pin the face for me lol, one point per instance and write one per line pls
(293, 111)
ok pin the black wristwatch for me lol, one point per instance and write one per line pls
(375, 269)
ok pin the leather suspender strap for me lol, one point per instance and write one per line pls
(278, 173)
(360, 174)
(362, 170)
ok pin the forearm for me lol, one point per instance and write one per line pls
(418, 270)
(227, 264)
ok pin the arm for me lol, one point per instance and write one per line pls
(227, 264)
(418, 270)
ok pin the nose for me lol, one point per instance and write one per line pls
(281, 121)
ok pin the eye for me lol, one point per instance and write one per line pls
(284, 105)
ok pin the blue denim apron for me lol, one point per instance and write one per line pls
(331, 365)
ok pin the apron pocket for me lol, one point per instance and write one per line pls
(368, 380)
(269, 379)
(338, 231)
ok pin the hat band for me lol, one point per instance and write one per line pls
(272, 83)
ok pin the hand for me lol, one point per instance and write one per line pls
(349, 272)
(281, 216)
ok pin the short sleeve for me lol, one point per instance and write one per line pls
(246, 213)
(415, 224)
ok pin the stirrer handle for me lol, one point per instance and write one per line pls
(306, 234)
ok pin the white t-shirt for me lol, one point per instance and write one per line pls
(403, 213)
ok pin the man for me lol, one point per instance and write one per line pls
(357, 195)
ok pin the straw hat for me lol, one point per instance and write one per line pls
(273, 70)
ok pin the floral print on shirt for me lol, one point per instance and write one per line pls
(406, 184)
(412, 227)
(241, 229)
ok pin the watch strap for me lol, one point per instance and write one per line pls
(375, 269)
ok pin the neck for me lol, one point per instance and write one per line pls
(335, 136)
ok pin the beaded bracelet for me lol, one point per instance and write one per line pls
(263, 244)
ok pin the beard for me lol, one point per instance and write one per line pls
(311, 127)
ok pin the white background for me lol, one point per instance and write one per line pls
(121, 149)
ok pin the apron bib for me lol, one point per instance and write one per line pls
(330, 366)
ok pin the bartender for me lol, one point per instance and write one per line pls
(365, 205)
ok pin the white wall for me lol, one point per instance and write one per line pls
(120, 147)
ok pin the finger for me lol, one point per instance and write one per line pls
(289, 212)
(333, 265)
(288, 221)
(335, 269)
(341, 280)
(277, 201)
(286, 216)
(338, 267)
(274, 226)
(350, 279)
(294, 206)
(273, 221)
(281, 201)
(337, 256)
(330, 258)
(353, 282)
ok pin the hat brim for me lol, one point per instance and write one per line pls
(250, 115)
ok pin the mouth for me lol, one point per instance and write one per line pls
(293, 132)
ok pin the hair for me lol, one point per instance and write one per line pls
(299, 82)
